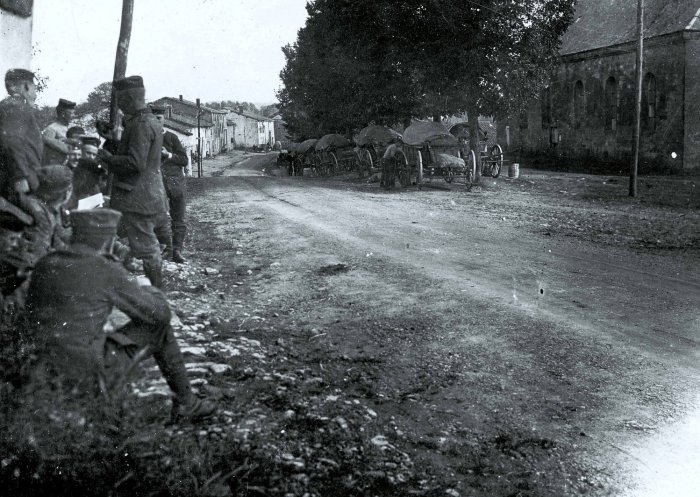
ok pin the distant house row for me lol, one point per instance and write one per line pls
(219, 129)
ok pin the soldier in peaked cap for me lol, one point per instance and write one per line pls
(70, 297)
(21, 147)
(173, 164)
(56, 148)
(137, 189)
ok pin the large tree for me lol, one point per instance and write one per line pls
(384, 61)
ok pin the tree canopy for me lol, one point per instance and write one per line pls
(357, 62)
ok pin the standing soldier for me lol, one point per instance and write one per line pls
(174, 162)
(56, 148)
(137, 189)
(21, 148)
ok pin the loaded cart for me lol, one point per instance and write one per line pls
(334, 153)
(491, 153)
(371, 144)
(428, 152)
(304, 155)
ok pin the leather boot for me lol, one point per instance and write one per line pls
(154, 272)
(178, 240)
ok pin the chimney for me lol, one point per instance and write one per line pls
(180, 98)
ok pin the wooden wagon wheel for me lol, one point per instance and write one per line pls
(496, 159)
(419, 172)
(470, 165)
(316, 166)
(402, 169)
(448, 174)
(332, 164)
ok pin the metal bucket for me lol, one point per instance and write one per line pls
(514, 171)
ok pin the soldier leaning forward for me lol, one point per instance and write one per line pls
(70, 297)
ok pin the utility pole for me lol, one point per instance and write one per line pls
(638, 99)
(121, 57)
(120, 71)
(199, 141)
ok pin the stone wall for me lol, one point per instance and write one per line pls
(580, 123)
(692, 102)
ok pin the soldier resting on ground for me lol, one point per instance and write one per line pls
(44, 235)
(72, 293)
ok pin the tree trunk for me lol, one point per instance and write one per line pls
(121, 57)
(473, 116)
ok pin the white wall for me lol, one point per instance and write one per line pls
(15, 43)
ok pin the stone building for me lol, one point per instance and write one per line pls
(212, 123)
(587, 112)
(248, 129)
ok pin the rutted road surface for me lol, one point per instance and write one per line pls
(507, 361)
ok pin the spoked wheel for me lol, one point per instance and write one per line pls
(317, 167)
(449, 175)
(419, 172)
(470, 165)
(401, 167)
(332, 164)
(496, 160)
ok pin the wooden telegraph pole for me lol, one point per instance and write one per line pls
(199, 141)
(638, 102)
(120, 60)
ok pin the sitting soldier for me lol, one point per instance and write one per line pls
(43, 233)
(70, 297)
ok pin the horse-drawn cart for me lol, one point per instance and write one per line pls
(304, 156)
(372, 142)
(428, 151)
(490, 152)
(334, 153)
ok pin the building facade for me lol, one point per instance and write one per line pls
(587, 112)
(248, 129)
(210, 127)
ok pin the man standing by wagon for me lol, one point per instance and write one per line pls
(137, 189)
(174, 162)
(54, 136)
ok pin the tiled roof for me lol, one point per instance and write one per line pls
(188, 121)
(604, 23)
(251, 115)
(187, 108)
(175, 126)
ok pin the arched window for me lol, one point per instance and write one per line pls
(579, 104)
(649, 101)
(611, 104)
(546, 108)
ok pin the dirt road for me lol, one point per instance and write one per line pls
(516, 339)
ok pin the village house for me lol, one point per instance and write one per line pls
(15, 35)
(281, 134)
(587, 112)
(181, 114)
(248, 129)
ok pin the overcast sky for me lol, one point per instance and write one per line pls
(211, 49)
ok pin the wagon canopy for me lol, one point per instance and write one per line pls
(292, 147)
(462, 130)
(306, 146)
(376, 134)
(421, 132)
(332, 141)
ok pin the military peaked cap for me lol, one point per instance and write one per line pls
(13, 76)
(75, 132)
(54, 179)
(128, 83)
(95, 222)
(65, 104)
(158, 108)
(90, 140)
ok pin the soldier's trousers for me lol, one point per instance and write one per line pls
(141, 231)
(176, 189)
(160, 340)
